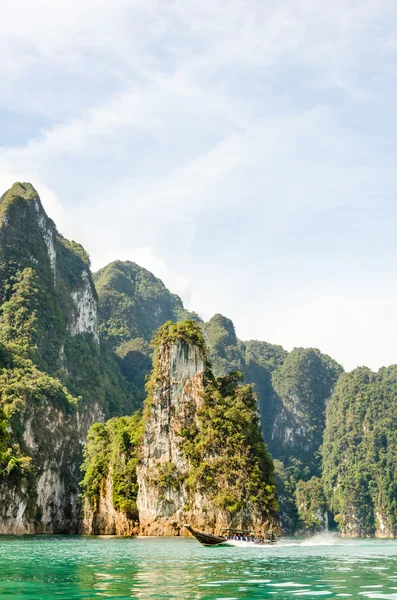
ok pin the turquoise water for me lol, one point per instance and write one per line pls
(179, 568)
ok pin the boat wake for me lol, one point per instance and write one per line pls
(325, 538)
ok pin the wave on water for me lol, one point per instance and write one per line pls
(325, 538)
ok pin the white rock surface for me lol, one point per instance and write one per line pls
(85, 318)
(48, 235)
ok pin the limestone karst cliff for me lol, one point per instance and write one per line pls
(360, 453)
(110, 476)
(293, 387)
(164, 500)
(55, 380)
(201, 458)
(67, 362)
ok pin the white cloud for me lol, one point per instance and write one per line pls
(207, 140)
(354, 322)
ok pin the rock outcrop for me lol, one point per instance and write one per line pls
(186, 473)
(359, 453)
(163, 499)
(105, 518)
(52, 387)
(195, 455)
(110, 482)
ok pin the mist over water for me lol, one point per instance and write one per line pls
(179, 568)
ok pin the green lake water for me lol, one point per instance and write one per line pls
(83, 567)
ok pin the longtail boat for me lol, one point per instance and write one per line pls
(233, 536)
(207, 539)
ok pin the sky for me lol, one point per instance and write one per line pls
(243, 151)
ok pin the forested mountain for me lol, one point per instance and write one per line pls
(133, 303)
(360, 453)
(292, 387)
(76, 349)
(55, 379)
(202, 456)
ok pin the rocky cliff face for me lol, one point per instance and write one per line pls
(359, 453)
(163, 499)
(46, 499)
(51, 367)
(293, 388)
(105, 518)
(187, 472)
(196, 455)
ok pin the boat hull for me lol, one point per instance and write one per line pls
(207, 539)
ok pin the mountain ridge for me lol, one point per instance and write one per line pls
(72, 354)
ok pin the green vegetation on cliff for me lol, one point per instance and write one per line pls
(188, 332)
(12, 461)
(55, 378)
(292, 387)
(302, 384)
(22, 384)
(112, 452)
(360, 452)
(226, 449)
(312, 505)
(133, 303)
(225, 446)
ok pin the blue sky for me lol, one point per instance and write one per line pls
(244, 151)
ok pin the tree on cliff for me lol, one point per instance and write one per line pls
(217, 437)
(360, 452)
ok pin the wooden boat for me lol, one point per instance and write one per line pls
(207, 539)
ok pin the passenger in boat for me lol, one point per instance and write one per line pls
(271, 536)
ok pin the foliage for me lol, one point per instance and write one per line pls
(308, 374)
(303, 384)
(135, 361)
(287, 478)
(111, 451)
(12, 461)
(188, 332)
(133, 303)
(311, 504)
(220, 333)
(268, 356)
(226, 450)
(22, 384)
(167, 476)
(360, 451)
(18, 317)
